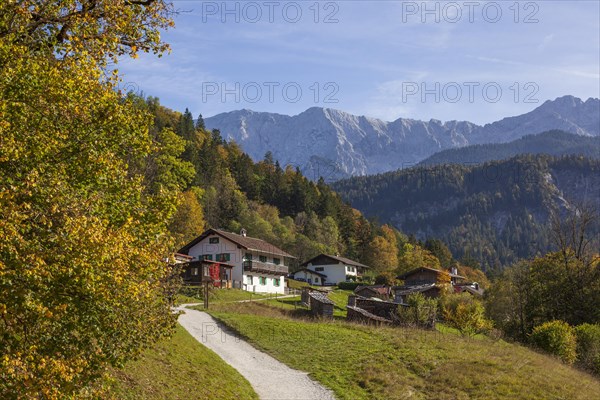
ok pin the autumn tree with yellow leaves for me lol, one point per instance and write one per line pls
(82, 224)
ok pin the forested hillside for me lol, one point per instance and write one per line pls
(496, 213)
(556, 143)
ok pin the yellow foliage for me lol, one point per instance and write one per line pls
(382, 253)
(414, 256)
(81, 239)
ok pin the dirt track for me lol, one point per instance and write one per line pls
(271, 379)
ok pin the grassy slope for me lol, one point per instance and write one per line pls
(217, 296)
(294, 284)
(339, 297)
(180, 368)
(360, 362)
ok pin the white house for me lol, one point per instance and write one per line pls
(312, 277)
(258, 266)
(335, 268)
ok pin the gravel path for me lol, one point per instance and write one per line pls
(271, 379)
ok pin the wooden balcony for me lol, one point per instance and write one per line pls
(265, 268)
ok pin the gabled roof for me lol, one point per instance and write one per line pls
(378, 289)
(245, 242)
(343, 260)
(414, 271)
(403, 290)
(321, 297)
(468, 288)
(310, 271)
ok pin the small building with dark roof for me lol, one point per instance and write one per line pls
(428, 281)
(471, 288)
(378, 291)
(320, 304)
(336, 268)
(401, 293)
(426, 275)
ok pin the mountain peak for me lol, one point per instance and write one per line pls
(335, 144)
(563, 101)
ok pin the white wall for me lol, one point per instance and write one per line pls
(268, 288)
(224, 246)
(237, 259)
(306, 275)
(335, 272)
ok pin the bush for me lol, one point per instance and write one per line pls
(465, 313)
(349, 285)
(556, 337)
(421, 311)
(588, 346)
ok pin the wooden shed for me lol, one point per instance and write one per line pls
(379, 291)
(321, 305)
(357, 314)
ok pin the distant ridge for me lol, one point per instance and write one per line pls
(497, 212)
(556, 143)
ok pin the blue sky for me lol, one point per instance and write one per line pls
(476, 61)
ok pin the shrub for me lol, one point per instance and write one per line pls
(348, 285)
(465, 313)
(588, 346)
(556, 337)
(421, 311)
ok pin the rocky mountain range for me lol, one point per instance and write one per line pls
(335, 144)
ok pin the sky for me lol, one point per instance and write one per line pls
(465, 60)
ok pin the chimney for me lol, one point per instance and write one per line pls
(476, 285)
(454, 271)
(243, 232)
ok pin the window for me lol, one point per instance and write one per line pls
(262, 258)
(195, 271)
(319, 269)
(276, 261)
(248, 256)
(223, 257)
(275, 282)
(213, 240)
(316, 280)
(249, 279)
(207, 257)
(262, 280)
